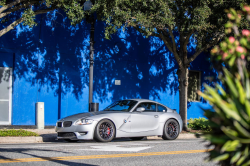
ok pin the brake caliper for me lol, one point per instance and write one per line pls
(108, 131)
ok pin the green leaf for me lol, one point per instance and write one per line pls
(207, 97)
(246, 164)
(230, 145)
(235, 157)
(221, 90)
(241, 91)
(234, 135)
(221, 157)
(215, 139)
(243, 42)
(229, 132)
(229, 81)
(231, 61)
(248, 88)
(233, 11)
(228, 24)
(213, 93)
(230, 113)
(247, 106)
(241, 130)
(244, 156)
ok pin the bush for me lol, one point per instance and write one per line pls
(199, 124)
(16, 133)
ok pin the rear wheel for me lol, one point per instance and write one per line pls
(104, 131)
(136, 138)
(171, 130)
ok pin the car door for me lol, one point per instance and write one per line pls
(145, 121)
(121, 120)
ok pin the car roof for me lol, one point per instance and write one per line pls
(144, 100)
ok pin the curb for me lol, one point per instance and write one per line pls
(181, 136)
(52, 138)
(11, 140)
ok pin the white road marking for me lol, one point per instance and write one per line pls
(127, 143)
(29, 147)
(116, 148)
(160, 142)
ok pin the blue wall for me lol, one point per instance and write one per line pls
(50, 65)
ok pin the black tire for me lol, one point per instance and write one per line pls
(104, 131)
(136, 138)
(171, 130)
(69, 140)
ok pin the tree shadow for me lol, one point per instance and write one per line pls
(51, 65)
(30, 152)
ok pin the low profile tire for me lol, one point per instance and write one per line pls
(136, 138)
(171, 130)
(104, 131)
(69, 140)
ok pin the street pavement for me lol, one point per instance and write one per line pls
(49, 135)
(188, 152)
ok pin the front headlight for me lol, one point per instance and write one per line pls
(84, 121)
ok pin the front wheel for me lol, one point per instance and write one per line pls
(171, 130)
(104, 131)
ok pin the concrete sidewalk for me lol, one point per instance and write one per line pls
(49, 135)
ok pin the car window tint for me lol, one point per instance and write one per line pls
(162, 109)
(123, 105)
(149, 107)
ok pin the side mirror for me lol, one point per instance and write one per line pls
(140, 109)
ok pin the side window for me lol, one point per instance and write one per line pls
(161, 108)
(149, 107)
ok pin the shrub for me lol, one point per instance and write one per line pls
(199, 124)
(16, 133)
(230, 117)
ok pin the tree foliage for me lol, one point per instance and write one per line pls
(202, 20)
(14, 12)
(230, 117)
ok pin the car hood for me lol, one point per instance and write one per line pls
(86, 115)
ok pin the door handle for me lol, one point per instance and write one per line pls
(156, 116)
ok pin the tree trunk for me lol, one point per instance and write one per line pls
(183, 89)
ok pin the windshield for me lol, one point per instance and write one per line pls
(123, 105)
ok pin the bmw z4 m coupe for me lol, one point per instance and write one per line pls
(133, 118)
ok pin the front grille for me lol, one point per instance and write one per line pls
(59, 124)
(66, 134)
(67, 124)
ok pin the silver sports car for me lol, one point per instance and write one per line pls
(133, 118)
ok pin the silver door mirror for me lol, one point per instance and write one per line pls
(140, 109)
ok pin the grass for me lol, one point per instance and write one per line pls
(16, 133)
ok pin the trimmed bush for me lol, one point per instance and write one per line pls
(16, 133)
(199, 124)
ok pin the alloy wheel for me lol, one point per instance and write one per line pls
(106, 130)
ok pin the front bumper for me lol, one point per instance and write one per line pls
(76, 132)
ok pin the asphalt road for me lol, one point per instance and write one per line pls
(119, 152)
